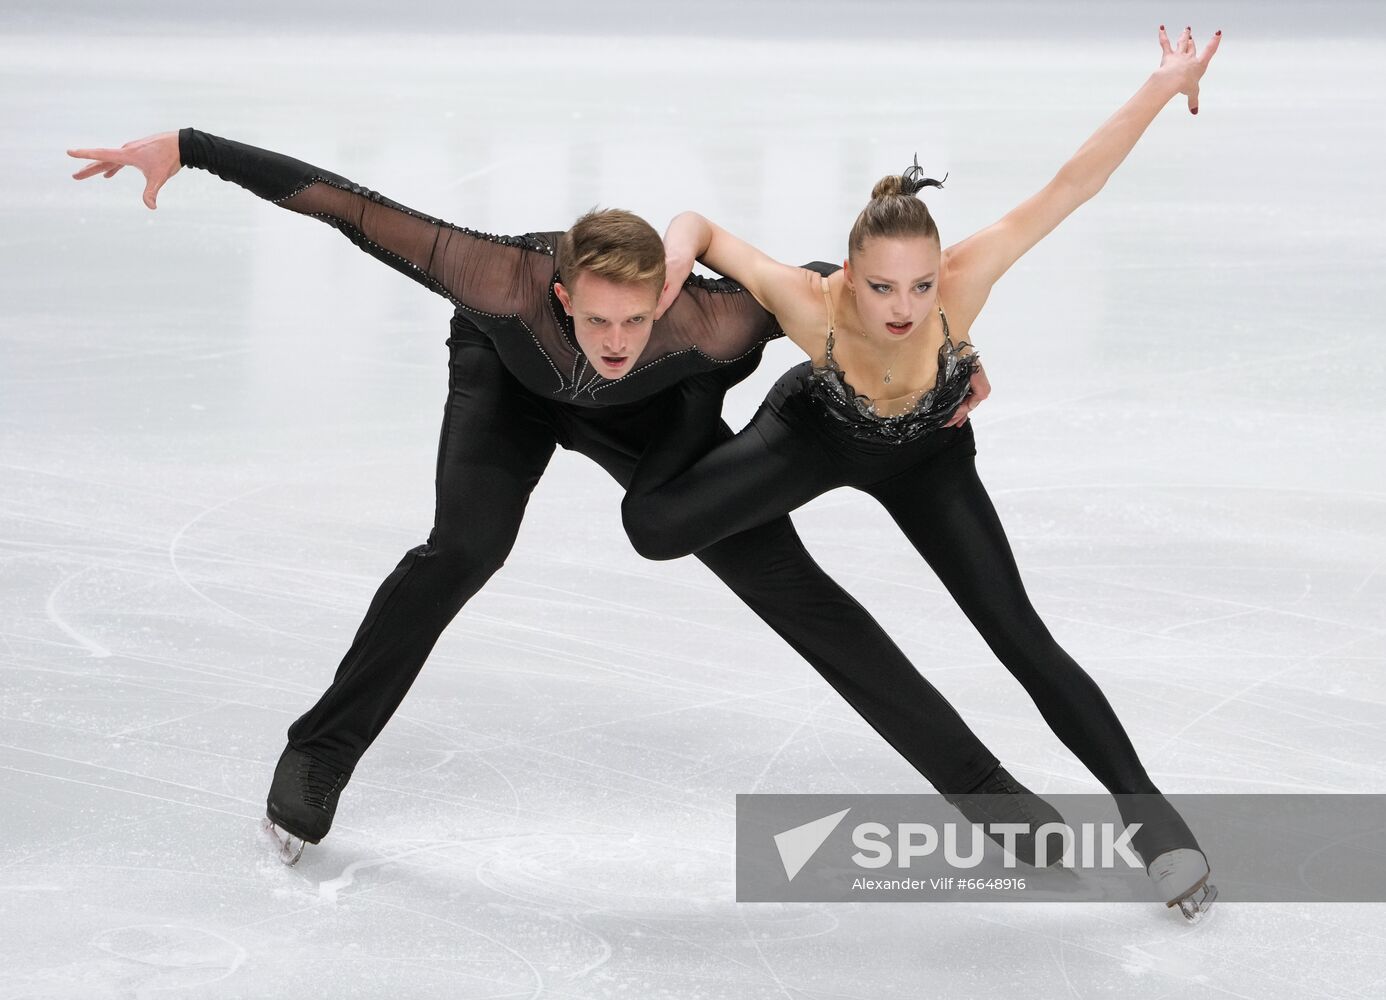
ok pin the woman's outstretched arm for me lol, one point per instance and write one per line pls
(975, 264)
(437, 254)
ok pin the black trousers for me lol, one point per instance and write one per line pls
(688, 494)
(497, 438)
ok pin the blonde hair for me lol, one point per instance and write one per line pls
(894, 210)
(613, 243)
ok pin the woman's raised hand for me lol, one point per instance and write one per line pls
(155, 156)
(676, 272)
(1182, 64)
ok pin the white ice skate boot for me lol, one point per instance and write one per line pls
(1181, 879)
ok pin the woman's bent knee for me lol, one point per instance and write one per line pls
(651, 535)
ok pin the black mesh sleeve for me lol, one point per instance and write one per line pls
(719, 318)
(472, 269)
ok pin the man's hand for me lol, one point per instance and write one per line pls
(155, 156)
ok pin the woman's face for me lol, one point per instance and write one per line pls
(895, 281)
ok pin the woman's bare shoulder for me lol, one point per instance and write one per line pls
(961, 292)
(802, 309)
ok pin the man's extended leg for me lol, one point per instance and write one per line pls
(493, 447)
(771, 571)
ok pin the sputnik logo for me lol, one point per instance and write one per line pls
(796, 846)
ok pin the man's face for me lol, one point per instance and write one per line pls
(611, 319)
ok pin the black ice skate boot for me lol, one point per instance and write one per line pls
(1002, 799)
(302, 801)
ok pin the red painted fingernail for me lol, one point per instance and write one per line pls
(1194, 110)
(1162, 27)
(1218, 32)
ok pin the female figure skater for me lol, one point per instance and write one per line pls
(882, 407)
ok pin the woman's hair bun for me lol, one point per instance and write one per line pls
(886, 187)
(908, 183)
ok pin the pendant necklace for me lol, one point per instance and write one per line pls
(886, 377)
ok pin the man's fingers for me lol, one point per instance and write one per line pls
(113, 155)
(96, 168)
(1164, 42)
(150, 190)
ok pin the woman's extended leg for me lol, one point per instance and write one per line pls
(945, 511)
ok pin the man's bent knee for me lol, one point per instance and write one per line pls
(463, 565)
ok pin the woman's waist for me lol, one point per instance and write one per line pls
(804, 403)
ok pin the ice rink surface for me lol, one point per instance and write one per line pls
(219, 424)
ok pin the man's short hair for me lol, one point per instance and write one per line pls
(616, 244)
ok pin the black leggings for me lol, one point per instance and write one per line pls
(496, 441)
(685, 497)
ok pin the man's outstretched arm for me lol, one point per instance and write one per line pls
(454, 262)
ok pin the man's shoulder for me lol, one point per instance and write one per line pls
(716, 285)
(548, 240)
(500, 277)
(542, 242)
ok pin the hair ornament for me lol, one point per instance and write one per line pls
(913, 179)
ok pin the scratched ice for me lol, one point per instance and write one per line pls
(219, 425)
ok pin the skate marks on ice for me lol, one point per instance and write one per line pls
(137, 962)
(50, 607)
(178, 957)
(392, 893)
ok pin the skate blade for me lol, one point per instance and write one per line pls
(1194, 907)
(288, 847)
